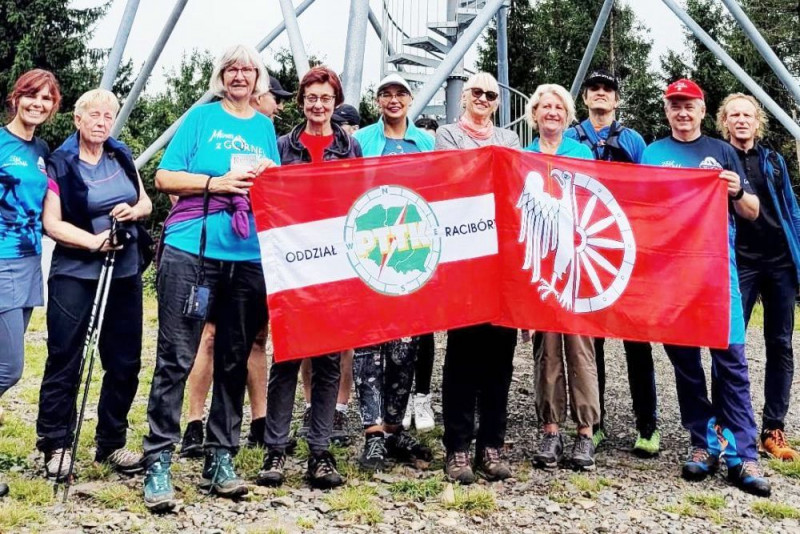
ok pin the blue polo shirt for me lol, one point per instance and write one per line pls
(568, 147)
(708, 153)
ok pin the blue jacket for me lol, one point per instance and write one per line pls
(373, 140)
(773, 166)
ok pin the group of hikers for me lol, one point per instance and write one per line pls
(212, 310)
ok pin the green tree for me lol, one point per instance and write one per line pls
(538, 54)
(52, 35)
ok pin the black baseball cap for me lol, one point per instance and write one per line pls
(277, 90)
(601, 77)
(346, 114)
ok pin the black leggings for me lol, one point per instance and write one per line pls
(423, 370)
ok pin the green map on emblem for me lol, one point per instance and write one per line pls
(402, 261)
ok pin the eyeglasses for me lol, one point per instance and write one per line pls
(477, 92)
(313, 99)
(246, 71)
(399, 95)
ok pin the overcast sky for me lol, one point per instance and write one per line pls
(214, 25)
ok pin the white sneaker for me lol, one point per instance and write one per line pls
(53, 462)
(409, 413)
(423, 413)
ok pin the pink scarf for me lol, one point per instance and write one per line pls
(475, 131)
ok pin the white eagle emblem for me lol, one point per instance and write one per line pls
(582, 238)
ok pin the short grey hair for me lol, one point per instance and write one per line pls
(560, 92)
(246, 55)
(96, 97)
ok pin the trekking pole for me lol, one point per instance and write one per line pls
(89, 350)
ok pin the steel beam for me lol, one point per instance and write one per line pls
(588, 54)
(764, 49)
(354, 51)
(165, 137)
(115, 56)
(502, 64)
(737, 71)
(147, 69)
(295, 39)
(453, 58)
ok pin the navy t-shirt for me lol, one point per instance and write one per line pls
(708, 153)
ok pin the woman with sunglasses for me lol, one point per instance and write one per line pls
(479, 359)
(550, 111)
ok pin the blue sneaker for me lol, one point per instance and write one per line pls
(749, 477)
(700, 464)
(158, 493)
(219, 477)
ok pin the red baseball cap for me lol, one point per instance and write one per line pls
(684, 88)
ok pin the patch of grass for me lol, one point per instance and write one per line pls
(248, 462)
(33, 492)
(351, 471)
(683, 509)
(775, 510)
(14, 514)
(306, 523)
(120, 497)
(432, 438)
(709, 501)
(357, 503)
(97, 471)
(590, 485)
(417, 490)
(523, 472)
(473, 501)
(302, 452)
(787, 469)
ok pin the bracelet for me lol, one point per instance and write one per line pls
(739, 194)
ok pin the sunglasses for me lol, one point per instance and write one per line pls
(491, 96)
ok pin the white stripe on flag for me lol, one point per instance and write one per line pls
(324, 254)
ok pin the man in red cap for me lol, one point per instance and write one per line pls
(724, 426)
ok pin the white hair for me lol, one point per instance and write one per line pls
(482, 80)
(96, 97)
(246, 55)
(560, 92)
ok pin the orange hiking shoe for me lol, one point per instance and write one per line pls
(773, 443)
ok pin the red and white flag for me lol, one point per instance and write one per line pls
(362, 251)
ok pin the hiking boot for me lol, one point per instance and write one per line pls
(404, 447)
(302, 432)
(219, 477)
(773, 443)
(339, 434)
(749, 477)
(700, 464)
(158, 493)
(490, 466)
(457, 467)
(423, 413)
(192, 444)
(409, 413)
(598, 436)
(551, 450)
(3, 489)
(647, 447)
(255, 438)
(322, 473)
(374, 456)
(583, 453)
(271, 473)
(54, 467)
(122, 461)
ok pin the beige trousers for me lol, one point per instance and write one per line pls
(550, 350)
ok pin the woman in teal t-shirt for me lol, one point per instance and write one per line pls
(550, 110)
(212, 264)
(23, 183)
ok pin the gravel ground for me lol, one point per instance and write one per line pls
(625, 494)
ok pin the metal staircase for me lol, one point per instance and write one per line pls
(419, 45)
